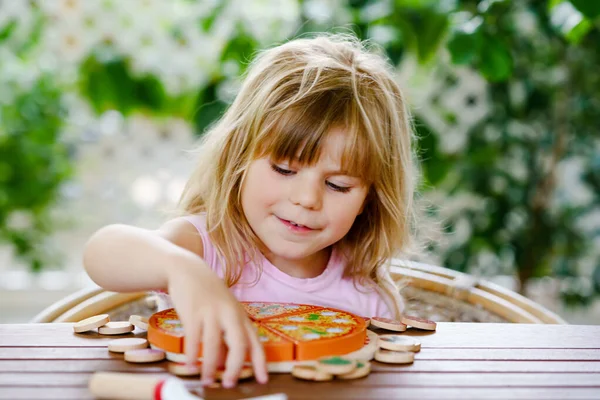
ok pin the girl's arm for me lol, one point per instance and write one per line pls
(125, 258)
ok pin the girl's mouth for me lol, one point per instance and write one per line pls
(294, 226)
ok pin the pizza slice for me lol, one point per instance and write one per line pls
(308, 332)
(321, 316)
(314, 340)
(259, 311)
(277, 347)
(166, 331)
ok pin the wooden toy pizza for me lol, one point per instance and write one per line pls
(290, 333)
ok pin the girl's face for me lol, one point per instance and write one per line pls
(298, 211)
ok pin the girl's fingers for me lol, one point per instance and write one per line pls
(193, 332)
(257, 354)
(211, 346)
(237, 343)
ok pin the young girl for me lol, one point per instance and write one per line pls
(302, 192)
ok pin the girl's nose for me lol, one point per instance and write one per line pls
(306, 192)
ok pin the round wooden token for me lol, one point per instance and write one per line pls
(336, 365)
(363, 368)
(419, 323)
(367, 321)
(144, 356)
(185, 369)
(399, 343)
(139, 322)
(126, 344)
(394, 357)
(115, 328)
(310, 373)
(389, 324)
(91, 323)
(368, 350)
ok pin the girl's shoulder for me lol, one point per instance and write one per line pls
(188, 232)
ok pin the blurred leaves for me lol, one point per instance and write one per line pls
(466, 42)
(34, 163)
(570, 22)
(590, 9)
(508, 212)
(495, 60)
(109, 86)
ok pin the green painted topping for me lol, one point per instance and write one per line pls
(359, 364)
(313, 317)
(315, 331)
(336, 361)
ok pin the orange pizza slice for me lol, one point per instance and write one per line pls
(259, 311)
(327, 316)
(316, 340)
(277, 347)
(166, 331)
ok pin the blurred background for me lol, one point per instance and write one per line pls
(100, 99)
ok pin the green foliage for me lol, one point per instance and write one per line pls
(109, 86)
(545, 50)
(559, 111)
(591, 9)
(34, 163)
(516, 44)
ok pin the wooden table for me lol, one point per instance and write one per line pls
(458, 361)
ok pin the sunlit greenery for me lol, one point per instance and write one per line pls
(542, 112)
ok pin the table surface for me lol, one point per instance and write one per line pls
(458, 361)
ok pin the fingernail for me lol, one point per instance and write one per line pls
(228, 384)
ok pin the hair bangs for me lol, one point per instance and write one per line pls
(297, 133)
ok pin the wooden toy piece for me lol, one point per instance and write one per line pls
(262, 311)
(115, 328)
(363, 368)
(368, 350)
(399, 343)
(367, 321)
(336, 365)
(126, 344)
(277, 348)
(319, 332)
(288, 332)
(120, 386)
(389, 324)
(310, 373)
(394, 357)
(91, 323)
(165, 331)
(419, 323)
(181, 369)
(144, 356)
(245, 373)
(139, 322)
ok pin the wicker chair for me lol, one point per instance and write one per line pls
(431, 292)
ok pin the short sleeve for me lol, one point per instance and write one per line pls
(199, 222)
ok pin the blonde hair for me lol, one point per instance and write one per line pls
(291, 98)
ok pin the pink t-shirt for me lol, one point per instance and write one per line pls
(330, 289)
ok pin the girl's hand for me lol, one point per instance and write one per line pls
(210, 314)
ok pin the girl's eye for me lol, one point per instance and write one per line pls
(280, 170)
(341, 189)
(287, 172)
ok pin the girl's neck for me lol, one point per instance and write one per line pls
(308, 267)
